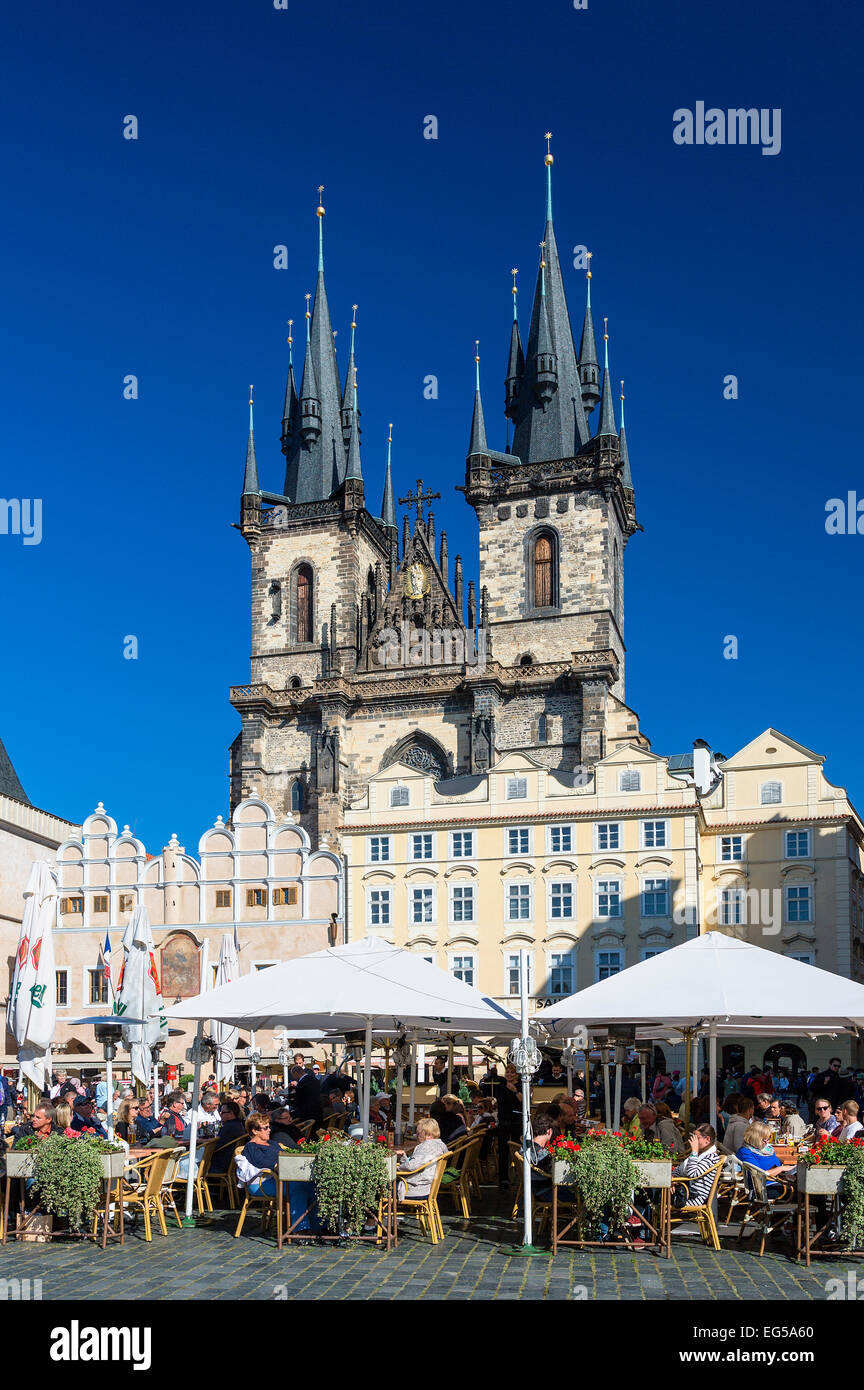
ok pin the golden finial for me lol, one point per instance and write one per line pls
(476, 349)
(308, 314)
(390, 433)
(514, 272)
(290, 326)
(606, 329)
(550, 158)
(353, 315)
(588, 255)
(542, 255)
(320, 207)
(251, 389)
(622, 390)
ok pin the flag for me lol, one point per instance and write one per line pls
(31, 1012)
(138, 994)
(105, 954)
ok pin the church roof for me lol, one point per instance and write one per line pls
(9, 783)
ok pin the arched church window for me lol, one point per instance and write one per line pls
(543, 729)
(297, 795)
(304, 604)
(544, 572)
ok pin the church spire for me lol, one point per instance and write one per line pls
(478, 443)
(250, 478)
(349, 395)
(516, 360)
(353, 469)
(545, 361)
(589, 367)
(626, 475)
(549, 427)
(291, 411)
(388, 506)
(607, 414)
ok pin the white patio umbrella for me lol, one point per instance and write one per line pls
(714, 981)
(224, 1035)
(138, 994)
(32, 1009)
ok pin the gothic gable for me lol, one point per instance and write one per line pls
(418, 623)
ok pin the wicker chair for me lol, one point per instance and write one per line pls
(427, 1207)
(227, 1181)
(764, 1207)
(702, 1215)
(457, 1179)
(267, 1204)
(150, 1193)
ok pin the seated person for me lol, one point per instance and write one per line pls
(849, 1116)
(43, 1123)
(283, 1129)
(232, 1129)
(696, 1167)
(739, 1124)
(259, 1154)
(379, 1111)
(84, 1118)
(147, 1127)
(453, 1122)
(630, 1116)
(752, 1151)
(173, 1116)
(793, 1127)
(568, 1119)
(429, 1146)
(661, 1127)
(126, 1120)
(539, 1156)
(824, 1116)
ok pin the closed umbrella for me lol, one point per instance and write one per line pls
(224, 1035)
(32, 1009)
(138, 994)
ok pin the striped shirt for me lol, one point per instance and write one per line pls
(696, 1169)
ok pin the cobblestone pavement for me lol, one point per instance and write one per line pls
(471, 1263)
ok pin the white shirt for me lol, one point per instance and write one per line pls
(849, 1131)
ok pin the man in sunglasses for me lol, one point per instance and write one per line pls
(826, 1121)
(834, 1087)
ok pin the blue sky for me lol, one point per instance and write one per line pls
(155, 257)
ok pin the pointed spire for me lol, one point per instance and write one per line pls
(546, 366)
(626, 475)
(291, 411)
(250, 478)
(556, 427)
(310, 403)
(388, 506)
(607, 414)
(515, 361)
(589, 367)
(353, 469)
(320, 215)
(478, 443)
(349, 395)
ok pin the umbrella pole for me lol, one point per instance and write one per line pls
(413, 1085)
(400, 1074)
(450, 1067)
(367, 1077)
(619, 1067)
(470, 1062)
(606, 1088)
(189, 1219)
(712, 1073)
(109, 1100)
(569, 1066)
(156, 1086)
(685, 1099)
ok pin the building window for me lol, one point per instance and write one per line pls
(629, 781)
(378, 849)
(519, 840)
(561, 982)
(798, 903)
(608, 892)
(731, 848)
(607, 963)
(797, 844)
(655, 897)
(462, 902)
(731, 907)
(304, 604)
(422, 904)
(297, 795)
(284, 897)
(256, 897)
(561, 899)
(655, 834)
(462, 968)
(100, 902)
(560, 839)
(98, 987)
(543, 576)
(543, 729)
(511, 965)
(518, 902)
(223, 897)
(75, 905)
(399, 796)
(607, 835)
(61, 989)
(379, 907)
(127, 902)
(805, 957)
(264, 964)
(421, 846)
(517, 788)
(771, 793)
(462, 844)
(649, 952)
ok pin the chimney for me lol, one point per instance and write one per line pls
(702, 766)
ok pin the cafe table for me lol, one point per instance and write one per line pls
(297, 1168)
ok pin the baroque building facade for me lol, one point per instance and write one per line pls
(342, 601)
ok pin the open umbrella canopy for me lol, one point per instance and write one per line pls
(344, 988)
(713, 978)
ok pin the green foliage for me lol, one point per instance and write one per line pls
(68, 1176)
(849, 1155)
(604, 1174)
(349, 1178)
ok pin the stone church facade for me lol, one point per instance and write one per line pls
(369, 649)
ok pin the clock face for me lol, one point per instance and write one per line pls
(415, 582)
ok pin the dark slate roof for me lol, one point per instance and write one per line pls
(353, 469)
(626, 475)
(606, 424)
(250, 477)
(588, 345)
(9, 784)
(516, 359)
(559, 428)
(478, 443)
(460, 786)
(315, 469)
(388, 506)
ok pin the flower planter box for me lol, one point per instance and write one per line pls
(298, 1167)
(654, 1172)
(825, 1179)
(22, 1164)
